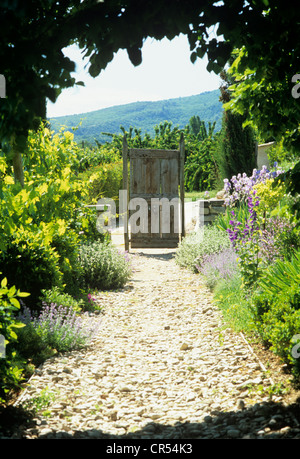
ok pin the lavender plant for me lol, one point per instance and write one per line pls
(60, 327)
(218, 266)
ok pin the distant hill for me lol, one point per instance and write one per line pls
(143, 115)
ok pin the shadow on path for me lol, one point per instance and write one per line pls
(155, 254)
(268, 420)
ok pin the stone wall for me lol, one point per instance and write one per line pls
(208, 210)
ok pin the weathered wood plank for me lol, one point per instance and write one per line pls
(181, 182)
(148, 153)
(156, 176)
(154, 243)
(125, 187)
(169, 176)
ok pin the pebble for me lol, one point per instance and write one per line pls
(163, 365)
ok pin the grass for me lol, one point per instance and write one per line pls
(229, 297)
(195, 195)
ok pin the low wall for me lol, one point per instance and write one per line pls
(208, 210)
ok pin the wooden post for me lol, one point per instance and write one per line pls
(125, 187)
(181, 182)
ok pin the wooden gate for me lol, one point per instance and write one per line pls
(154, 190)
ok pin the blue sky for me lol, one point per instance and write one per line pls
(165, 73)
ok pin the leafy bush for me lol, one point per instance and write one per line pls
(278, 152)
(105, 181)
(276, 306)
(32, 264)
(103, 266)
(102, 154)
(230, 298)
(11, 368)
(55, 296)
(208, 240)
(269, 196)
(42, 224)
(199, 168)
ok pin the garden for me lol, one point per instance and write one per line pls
(54, 261)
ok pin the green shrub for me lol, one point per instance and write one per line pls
(208, 240)
(199, 168)
(276, 307)
(11, 367)
(283, 278)
(104, 181)
(279, 153)
(66, 247)
(32, 264)
(103, 266)
(54, 295)
(278, 328)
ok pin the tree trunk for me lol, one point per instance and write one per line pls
(18, 168)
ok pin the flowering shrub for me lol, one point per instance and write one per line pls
(269, 197)
(239, 186)
(218, 266)
(59, 327)
(244, 237)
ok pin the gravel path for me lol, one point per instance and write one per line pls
(163, 366)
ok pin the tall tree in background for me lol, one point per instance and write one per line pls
(236, 149)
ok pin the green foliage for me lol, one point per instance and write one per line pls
(11, 368)
(208, 239)
(103, 266)
(269, 196)
(105, 181)
(31, 263)
(43, 223)
(260, 88)
(291, 180)
(199, 170)
(279, 153)
(236, 146)
(276, 306)
(54, 295)
(230, 298)
(283, 277)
